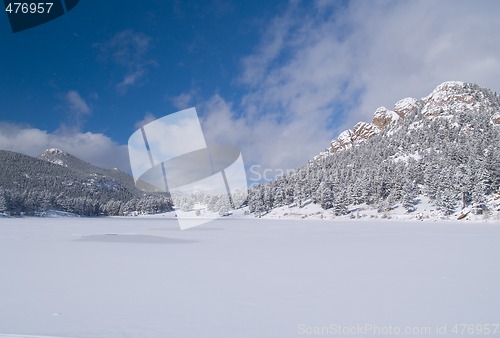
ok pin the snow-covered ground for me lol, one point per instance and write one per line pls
(424, 211)
(244, 277)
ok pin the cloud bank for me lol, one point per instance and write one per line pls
(320, 68)
(97, 149)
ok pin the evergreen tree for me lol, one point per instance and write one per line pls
(409, 196)
(446, 202)
(327, 197)
(3, 202)
(340, 204)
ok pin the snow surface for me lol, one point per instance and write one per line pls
(425, 210)
(401, 157)
(143, 277)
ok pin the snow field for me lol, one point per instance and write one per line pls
(143, 277)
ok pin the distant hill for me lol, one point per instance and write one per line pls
(59, 181)
(443, 148)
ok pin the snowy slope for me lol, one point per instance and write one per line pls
(136, 277)
(60, 181)
(437, 157)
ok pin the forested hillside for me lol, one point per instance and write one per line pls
(445, 147)
(59, 181)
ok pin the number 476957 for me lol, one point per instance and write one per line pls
(32, 8)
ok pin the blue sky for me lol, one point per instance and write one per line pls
(280, 79)
(125, 60)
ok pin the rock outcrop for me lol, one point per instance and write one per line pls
(445, 100)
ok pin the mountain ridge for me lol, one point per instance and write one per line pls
(448, 96)
(443, 148)
(59, 181)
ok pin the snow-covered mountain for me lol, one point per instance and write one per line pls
(61, 158)
(59, 181)
(56, 156)
(444, 102)
(441, 151)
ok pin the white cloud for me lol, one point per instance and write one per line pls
(148, 117)
(75, 109)
(97, 149)
(263, 140)
(220, 124)
(129, 49)
(174, 135)
(184, 100)
(317, 63)
(131, 79)
(408, 48)
(255, 65)
(76, 104)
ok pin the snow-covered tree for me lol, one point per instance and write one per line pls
(409, 193)
(446, 202)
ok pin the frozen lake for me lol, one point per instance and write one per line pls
(143, 277)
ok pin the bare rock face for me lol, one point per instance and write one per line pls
(344, 141)
(407, 106)
(452, 96)
(361, 132)
(495, 119)
(437, 102)
(384, 117)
